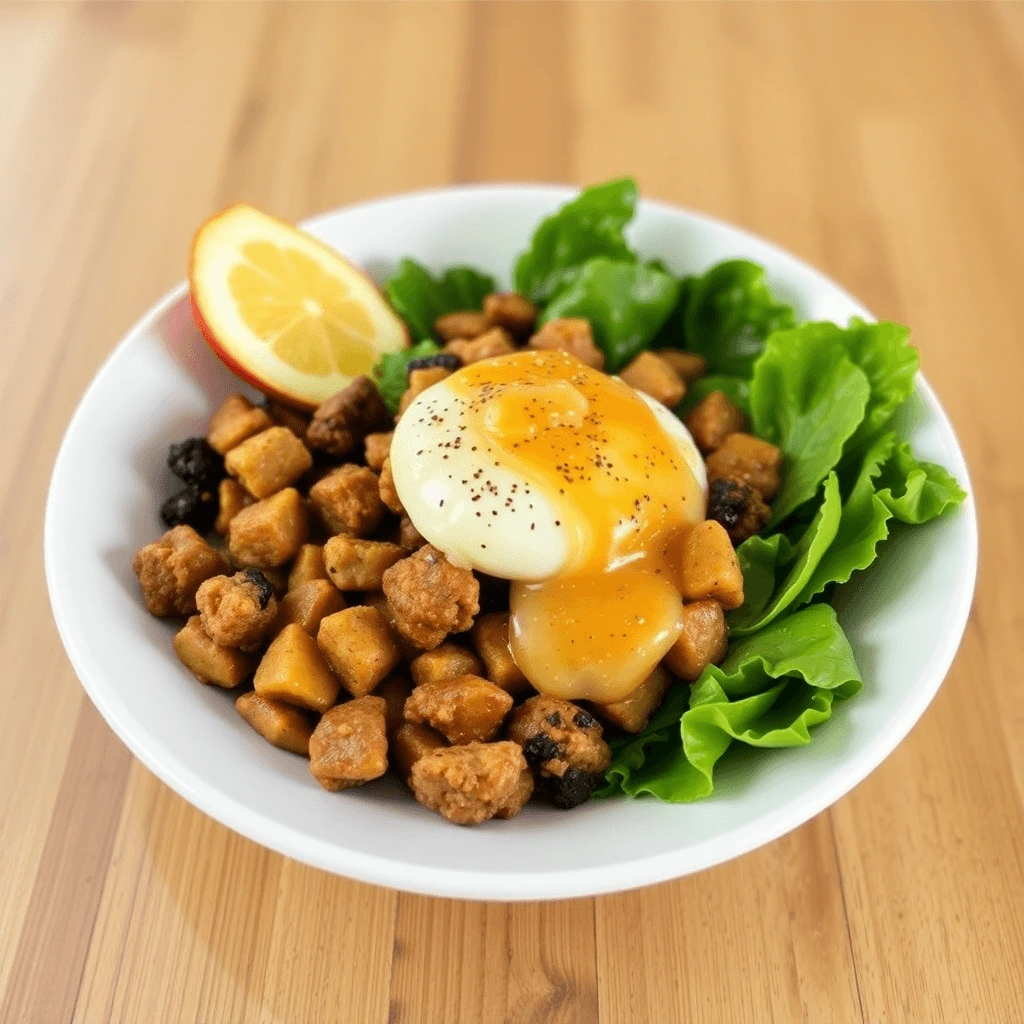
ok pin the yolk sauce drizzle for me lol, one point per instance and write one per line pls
(625, 496)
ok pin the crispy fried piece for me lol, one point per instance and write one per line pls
(308, 565)
(570, 334)
(738, 507)
(388, 492)
(712, 420)
(464, 709)
(469, 323)
(280, 724)
(377, 447)
(655, 377)
(268, 461)
(490, 638)
(349, 746)
(430, 598)
(472, 783)
(419, 381)
(171, 569)
(340, 423)
(354, 564)
(747, 458)
(232, 497)
(633, 713)
(360, 647)
(409, 742)
(308, 604)
(297, 422)
(511, 310)
(347, 500)
(394, 691)
(449, 661)
(495, 342)
(294, 671)
(237, 611)
(269, 533)
(688, 365)
(709, 567)
(236, 420)
(704, 640)
(208, 661)
(408, 536)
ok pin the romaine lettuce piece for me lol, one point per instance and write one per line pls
(391, 374)
(419, 299)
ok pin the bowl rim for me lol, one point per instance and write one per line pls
(502, 886)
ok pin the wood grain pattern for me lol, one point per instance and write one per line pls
(884, 143)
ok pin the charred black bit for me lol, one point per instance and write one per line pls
(571, 790)
(190, 507)
(445, 359)
(540, 749)
(584, 719)
(554, 718)
(727, 500)
(195, 462)
(262, 584)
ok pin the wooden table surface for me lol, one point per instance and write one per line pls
(884, 143)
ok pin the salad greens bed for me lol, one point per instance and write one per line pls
(824, 394)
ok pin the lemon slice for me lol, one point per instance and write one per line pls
(284, 311)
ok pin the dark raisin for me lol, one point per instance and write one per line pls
(191, 507)
(571, 790)
(445, 359)
(554, 718)
(727, 500)
(195, 462)
(540, 749)
(266, 591)
(584, 719)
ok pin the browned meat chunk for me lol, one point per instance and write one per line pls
(704, 640)
(340, 424)
(472, 783)
(408, 536)
(349, 746)
(266, 462)
(234, 421)
(511, 310)
(377, 447)
(237, 611)
(297, 422)
(490, 638)
(360, 647)
(409, 743)
(747, 458)
(430, 597)
(354, 564)
(712, 420)
(709, 566)
(495, 342)
(394, 691)
(419, 381)
(283, 726)
(308, 565)
(308, 604)
(563, 745)
(388, 491)
(570, 334)
(738, 507)
(269, 533)
(465, 709)
(468, 323)
(294, 671)
(632, 713)
(688, 365)
(208, 661)
(449, 661)
(655, 377)
(171, 569)
(347, 500)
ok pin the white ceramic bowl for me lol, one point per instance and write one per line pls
(904, 616)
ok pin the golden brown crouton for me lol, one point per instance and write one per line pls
(712, 420)
(495, 342)
(419, 381)
(297, 422)
(208, 661)
(377, 447)
(308, 565)
(430, 597)
(511, 310)
(349, 746)
(738, 507)
(266, 462)
(280, 724)
(688, 365)
(237, 611)
(747, 458)
(394, 691)
(388, 491)
(653, 376)
(409, 742)
(449, 661)
(408, 536)
(171, 569)
(704, 640)
(709, 567)
(632, 713)
(269, 533)
(469, 323)
(354, 564)
(347, 500)
(294, 671)
(308, 604)
(360, 647)
(472, 783)
(570, 334)
(463, 710)
(490, 638)
(236, 420)
(343, 420)
(232, 497)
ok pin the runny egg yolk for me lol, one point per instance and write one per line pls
(625, 496)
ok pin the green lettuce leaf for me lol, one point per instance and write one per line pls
(916, 491)
(736, 389)
(419, 299)
(730, 312)
(626, 304)
(391, 374)
(588, 226)
(808, 398)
